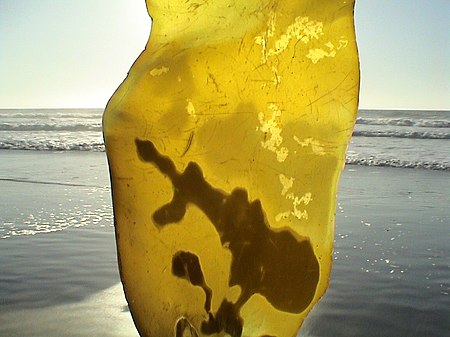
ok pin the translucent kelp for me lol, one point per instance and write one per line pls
(225, 144)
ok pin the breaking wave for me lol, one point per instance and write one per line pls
(372, 161)
(50, 127)
(427, 123)
(428, 134)
(52, 146)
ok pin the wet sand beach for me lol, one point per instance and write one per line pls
(59, 274)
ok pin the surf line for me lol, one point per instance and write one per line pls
(16, 180)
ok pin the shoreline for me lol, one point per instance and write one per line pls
(350, 161)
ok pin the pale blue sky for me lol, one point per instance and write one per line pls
(66, 53)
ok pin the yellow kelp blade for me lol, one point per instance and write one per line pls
(225, 144)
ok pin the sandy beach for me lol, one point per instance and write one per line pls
(59, 272)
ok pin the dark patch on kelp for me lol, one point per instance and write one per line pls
(279, 265)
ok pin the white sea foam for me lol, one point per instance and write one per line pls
(52, 145)
(404, 122)
(429, 134)
(373, 161)
(50, 127)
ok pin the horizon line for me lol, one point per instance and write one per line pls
(103, 108)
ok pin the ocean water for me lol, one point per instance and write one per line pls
(58, 267)
(409, 139)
